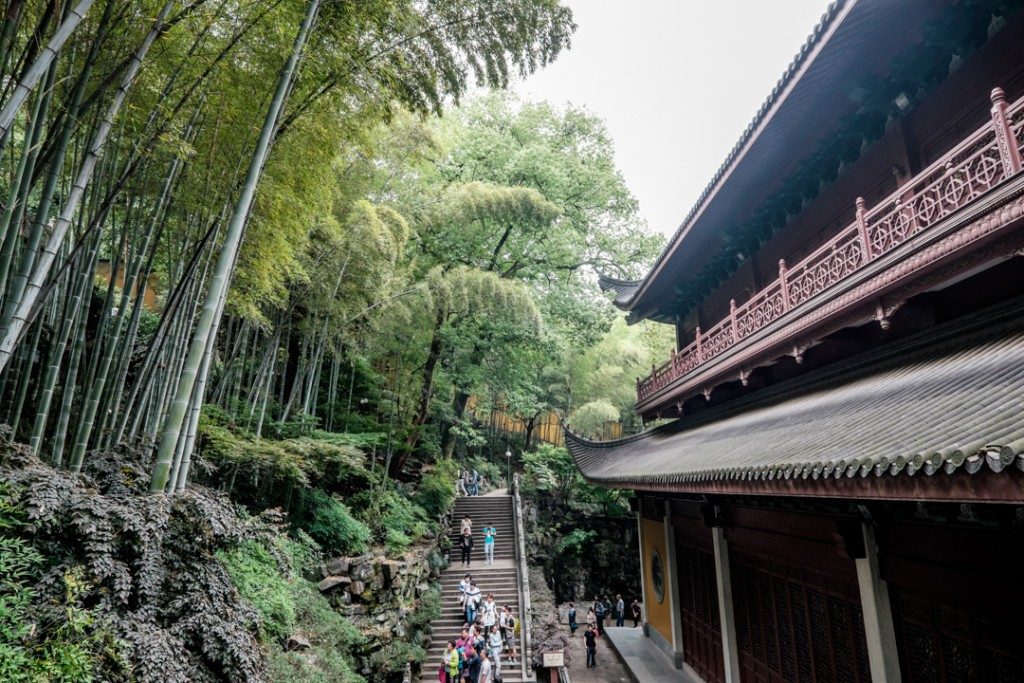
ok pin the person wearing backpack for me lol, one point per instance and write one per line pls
(599, 613)
(513, 633)
(572, 619)
(472, 603)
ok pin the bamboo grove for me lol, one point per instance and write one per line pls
(135, 136)
(255, 207)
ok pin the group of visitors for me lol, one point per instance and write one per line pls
(466, 541)
(489, 630)
(469, 483)
(602, 608)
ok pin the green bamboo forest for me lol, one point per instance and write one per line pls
(266, 267)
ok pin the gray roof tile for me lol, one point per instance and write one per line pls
(935, 403)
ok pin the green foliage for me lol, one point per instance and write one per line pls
(289, 605)
(591, 417)
(436, 490)
(396, 520)
(392, 658)
(550, 471)
(300, 460)
(148, 565)
(331, 524)
(576, 541)
(427, 609)
(59, 641)
(258, 577)
(608, 369)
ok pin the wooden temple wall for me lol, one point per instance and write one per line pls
(957, 607)
(547, 430)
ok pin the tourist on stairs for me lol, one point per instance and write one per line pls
(466, 545)
(471, 666)
(620, 610)
(489, 533)
(489, 611)
(572, 619)
(635, 609)
(513, 633)
(472, 602)
(485, 668)
(494, 648)
(450, 663)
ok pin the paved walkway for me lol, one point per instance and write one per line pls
(609, 667)
(642, 657)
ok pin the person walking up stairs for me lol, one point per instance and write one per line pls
(492, 511)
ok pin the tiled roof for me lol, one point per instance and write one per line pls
(623, 289)
(820, 29)
(947, 400)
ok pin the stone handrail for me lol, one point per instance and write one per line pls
(986, 158)
(522, 572)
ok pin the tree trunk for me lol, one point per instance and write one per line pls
(219, 283)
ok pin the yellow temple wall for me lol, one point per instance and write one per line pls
(659, 614)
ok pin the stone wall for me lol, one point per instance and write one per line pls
(383, 596)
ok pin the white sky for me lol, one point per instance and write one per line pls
(676, 81)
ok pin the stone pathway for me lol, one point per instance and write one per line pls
(499, 578)
(610, 668)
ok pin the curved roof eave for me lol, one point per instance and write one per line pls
(831, 18)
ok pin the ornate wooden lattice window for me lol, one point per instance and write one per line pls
(939, 643)
(698, 602)
(795, 624)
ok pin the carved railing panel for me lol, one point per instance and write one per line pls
(826, 266)
(968, 171)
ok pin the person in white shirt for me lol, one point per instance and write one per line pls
(489, 610)
(472, 602)
(494, 649)
(485, 668)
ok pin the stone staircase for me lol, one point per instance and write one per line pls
(499, 578)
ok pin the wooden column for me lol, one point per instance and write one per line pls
(723, 580)
(672, 584)
(878, 627)
(640, 553)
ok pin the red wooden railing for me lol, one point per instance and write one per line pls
(980, 162)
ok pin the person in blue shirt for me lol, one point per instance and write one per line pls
(489, 533)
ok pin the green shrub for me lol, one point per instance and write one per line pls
(395, 519)
(332, 639)
(331, 524)
(259, 578)
(427, 609)
(436, 492)
(290, 605)
(392, 658)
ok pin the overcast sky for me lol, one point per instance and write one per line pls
(676, 81)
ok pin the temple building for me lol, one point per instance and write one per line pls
(834, 490)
